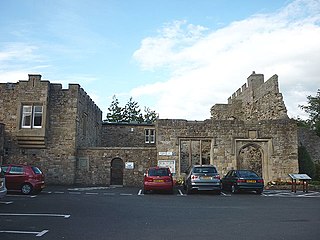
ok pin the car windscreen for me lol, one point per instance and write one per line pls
(158, 172)
(247, 174)
(204, 170)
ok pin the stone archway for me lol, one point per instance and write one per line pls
(250, 157)
(116, 177)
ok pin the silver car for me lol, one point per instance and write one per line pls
(3, 189)
(202, 177)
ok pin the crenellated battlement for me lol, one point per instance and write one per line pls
(255, 100)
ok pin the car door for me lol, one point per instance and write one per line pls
(14, 177)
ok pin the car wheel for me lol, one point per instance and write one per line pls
(234, 189)
(26, 189)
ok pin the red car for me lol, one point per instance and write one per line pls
(158, 178)
(24, 178)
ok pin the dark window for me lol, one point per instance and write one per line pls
(149, 136)
(247, 174)
(205, 170)
(159, 172)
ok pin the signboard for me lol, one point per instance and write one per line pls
(165, 153)
(129, 165)
(168, 163)
(299, 176)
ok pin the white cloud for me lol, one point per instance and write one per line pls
(207, 69)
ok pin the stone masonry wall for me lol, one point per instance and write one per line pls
(125, 135)
(89, 121)
(277, 139)
(97, 164)
(311, 141)
(1, 142)
(57, 158)
(256, 101)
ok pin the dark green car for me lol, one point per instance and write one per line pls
(242, 180)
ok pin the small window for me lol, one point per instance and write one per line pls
(149, 136)
(31, 116)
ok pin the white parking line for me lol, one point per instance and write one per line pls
(6, 203)
(91, 193)
(126, 194)
(35, 215)
(88, 188)
(25, 196)
(109, 194)
(180, 193)
(38, 234)
(140, 193)
(75, 193)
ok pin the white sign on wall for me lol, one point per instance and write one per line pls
(129, 165)
(165, 153)
(168, 163)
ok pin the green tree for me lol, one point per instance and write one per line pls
(132, 112)
(150, 115)
(313, 109)
(115, 113)
(306, 165)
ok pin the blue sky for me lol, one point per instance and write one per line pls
(178, 57)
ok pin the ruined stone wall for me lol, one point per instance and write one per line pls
(277, 141)
(94, 164)
(125, 135)
(254, 101)
(311, 142)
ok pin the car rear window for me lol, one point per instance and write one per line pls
(36, 170)
(205, 170)
(158, 172)
(247, 174)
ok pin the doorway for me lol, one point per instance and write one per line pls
(116, 177)
(250, 157)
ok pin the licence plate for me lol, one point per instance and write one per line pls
(251, 181)
(158, 181)
(205, 177)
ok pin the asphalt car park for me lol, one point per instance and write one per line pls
(127, 213)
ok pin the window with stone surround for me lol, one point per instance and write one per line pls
(31, 116)
(194, 151)
(150, 135)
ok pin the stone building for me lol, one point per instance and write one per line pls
(45, 125)
(61, 130)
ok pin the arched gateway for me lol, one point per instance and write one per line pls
(250, 157)
(116, 177)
